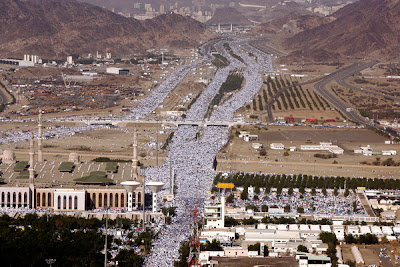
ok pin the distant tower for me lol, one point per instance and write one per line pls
(40, 152)
(219, 27)
(136, 168)
(231, 27)
(31, 173)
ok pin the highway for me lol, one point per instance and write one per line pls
(3, 97)
(262, 46)
(320, 86)
(338, 76)
(341, 81)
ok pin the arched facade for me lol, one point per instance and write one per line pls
(16, 197)
(46, 198)
(70, 199)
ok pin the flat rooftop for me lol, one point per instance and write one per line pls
(49, 175)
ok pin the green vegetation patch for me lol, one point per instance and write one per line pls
(66, 167)
(220, 61)
(233, 82)
(20, 166)
(23, 175)
(111, 167)
(96, 177)
(105, 159)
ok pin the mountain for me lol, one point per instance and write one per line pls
(228, 15)
(55, 28)
(367, 28)
(291, 23)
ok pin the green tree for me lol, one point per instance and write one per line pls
(302, 248)
(350, 239)
(335, 192)
(287, 208)
(290, 191)
(254, 247)
(213, 246)
(264, 208)
(250, 221)
(128, 258)
(266, 252)
(351, 263)
(229, 221)
(346, 193)
(230, 198)
(244, 194)
(313, 191)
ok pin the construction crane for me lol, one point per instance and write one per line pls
(193, 259)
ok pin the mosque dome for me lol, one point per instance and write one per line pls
(8, 156)
(74, 157)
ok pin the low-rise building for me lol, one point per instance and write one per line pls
(365, 150)
(257, 145)
(250, 137)
(389, 152)
(278, 146)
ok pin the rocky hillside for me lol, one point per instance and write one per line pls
(55, 28)
(292, 23)
(228, 15)
(367, 28)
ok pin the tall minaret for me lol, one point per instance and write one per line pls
(135, 158)
(40, 153)
(31, 173)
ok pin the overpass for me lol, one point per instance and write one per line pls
(176, 123)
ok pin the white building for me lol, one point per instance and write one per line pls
(69, 60)
(118, 71)
(278, 146)
(257, 145)
(309, 260)
(69, 199)
(326, 146)
(389, 152)
(250, 137)
(214, 213)
(15, 62)
(365, 150)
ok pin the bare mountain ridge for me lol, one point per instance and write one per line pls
(291, 23)
(367, 28)
(228, 15)
(52, 28)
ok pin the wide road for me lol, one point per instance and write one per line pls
(3, 96)
(341, 81)
(321, 88)
(262, 46)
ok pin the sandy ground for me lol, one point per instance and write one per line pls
(240, 156)
(114, 143)
(250, 262)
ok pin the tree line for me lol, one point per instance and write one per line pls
(302, 181)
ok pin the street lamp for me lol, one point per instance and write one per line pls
(105, 244)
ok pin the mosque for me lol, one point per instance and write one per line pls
(67, 186)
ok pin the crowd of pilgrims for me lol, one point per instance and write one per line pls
(193, 148)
